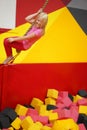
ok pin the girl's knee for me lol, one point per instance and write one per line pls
(6, 41)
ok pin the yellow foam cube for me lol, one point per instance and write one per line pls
(45, 113)
(26, 122)
(53, 116)
(83, 109)
(50, 101)
(42, 109)
(39, 123)
(16, 124)
(66, 124)
(76, 98)
(46, 128)
(34, 126)
(52, 93)
(36, 102)
(21, 110)
(10, 128)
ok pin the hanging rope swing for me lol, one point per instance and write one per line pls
(18, 52)
(43, 7)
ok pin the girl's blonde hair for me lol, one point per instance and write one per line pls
(44, 18)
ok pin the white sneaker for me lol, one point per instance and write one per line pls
(8, 60)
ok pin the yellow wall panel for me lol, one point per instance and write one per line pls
(63, 42)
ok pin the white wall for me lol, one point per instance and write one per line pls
(7, 14)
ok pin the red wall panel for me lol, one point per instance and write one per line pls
(1, 83)
(22, 82)
(27, 7)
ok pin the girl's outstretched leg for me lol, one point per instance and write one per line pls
(18, 45)
(8, 50)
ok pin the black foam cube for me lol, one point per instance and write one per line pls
(82, 93)
(51, 107)
(4, 121)
(9, 112)
(71, 97)
(29, 106)
(85, 121)
(81, 118)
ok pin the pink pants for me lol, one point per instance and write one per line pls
(16, 44)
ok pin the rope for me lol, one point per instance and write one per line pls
(14, 57)
(43, 7)
(45, 4)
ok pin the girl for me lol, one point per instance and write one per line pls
(38, 21)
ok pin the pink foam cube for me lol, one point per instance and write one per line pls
(74, 113)
(82, 101)
(60, 105)
(32, 111)
(82, 127)
(22, 117)
(43, 119)
(59, 100)
(66, 101)
(63, 94)
(64, 113)
(34, 117)
(58, 110)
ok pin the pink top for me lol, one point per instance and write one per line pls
(38, 33)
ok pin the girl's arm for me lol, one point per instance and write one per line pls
(21, 38)
(31, 18)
